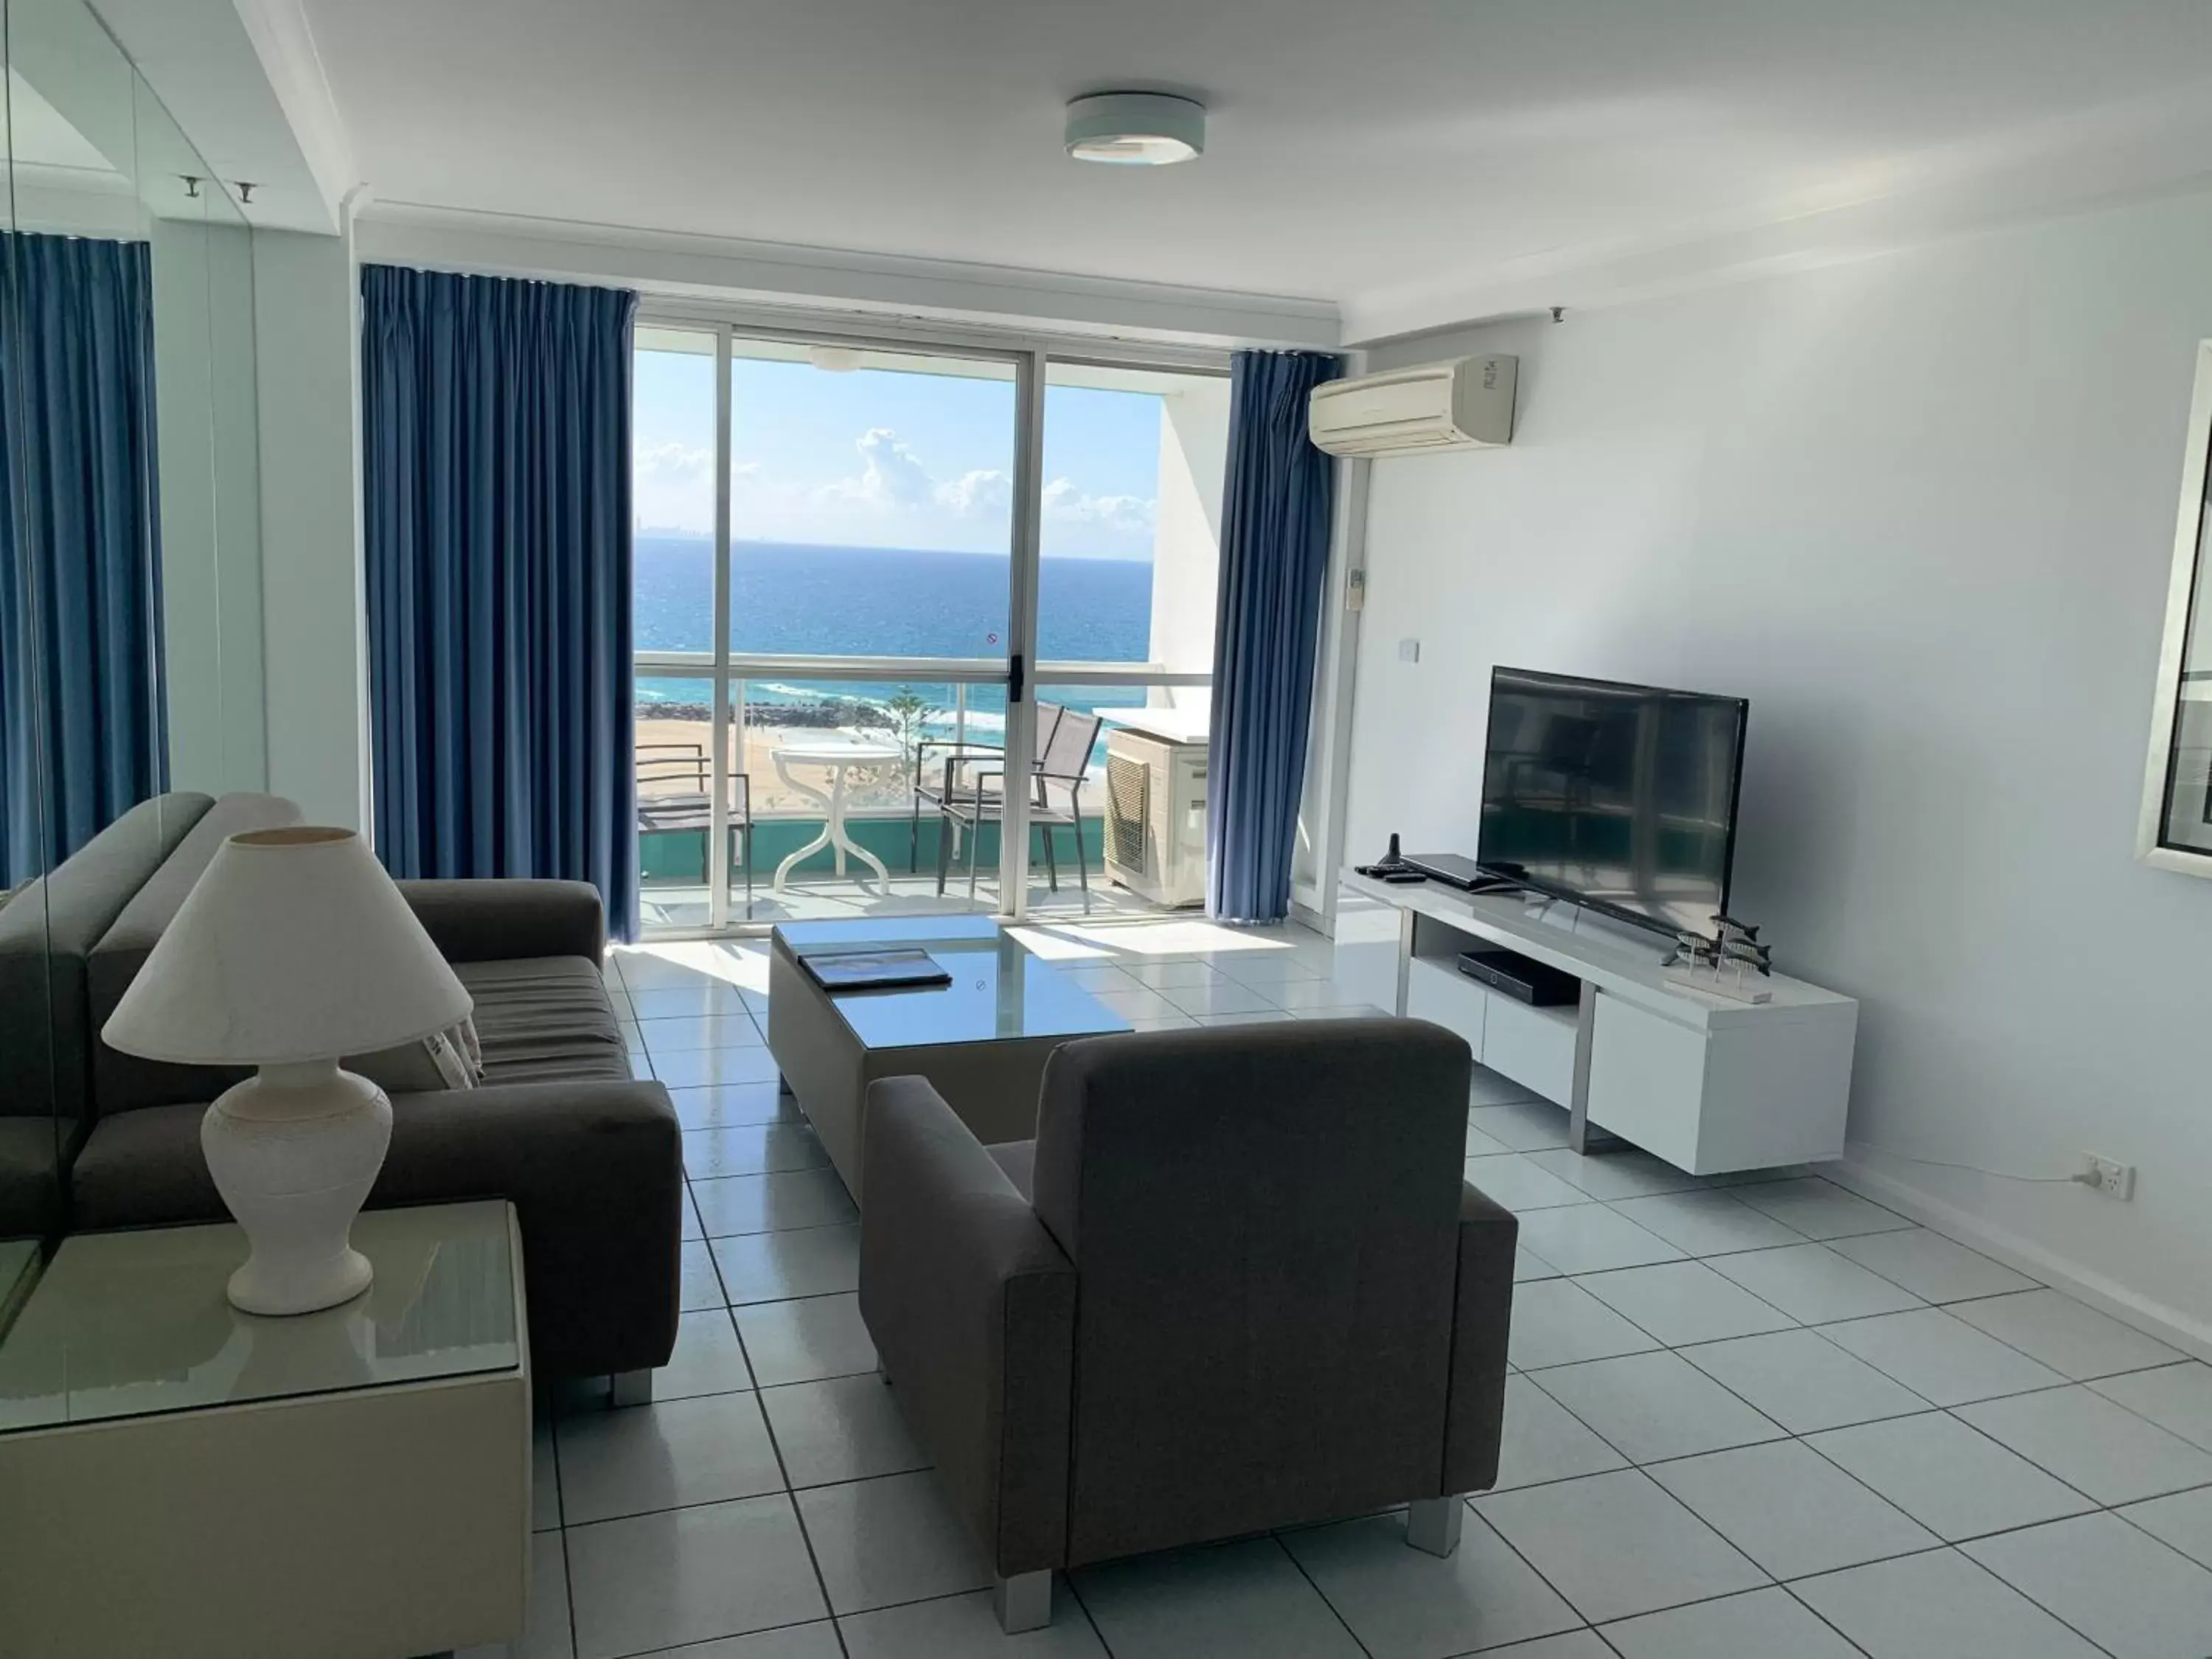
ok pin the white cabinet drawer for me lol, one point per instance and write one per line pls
(1534, 1047)
(1447, 997)
(1647, 1080)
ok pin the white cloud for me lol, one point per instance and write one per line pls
(673, 487)
(891, 474)
(673, 460)
(1064, 500)
(985, 493)
(893, 500)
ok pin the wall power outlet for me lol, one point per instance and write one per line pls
(2112, 1179)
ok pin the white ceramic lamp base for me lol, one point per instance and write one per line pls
(293, 1152)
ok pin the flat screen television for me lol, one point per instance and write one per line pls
(1622, 798)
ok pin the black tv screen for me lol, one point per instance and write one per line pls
(1620, 797)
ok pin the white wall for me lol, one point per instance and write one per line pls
(312, 606)
(1320, 847)
(1920, 511)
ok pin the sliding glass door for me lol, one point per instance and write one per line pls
(1130, 523)
(847, 554)
(825, 619)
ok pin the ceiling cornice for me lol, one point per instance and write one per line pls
(242, 82)
(285, 43)
(679, 265)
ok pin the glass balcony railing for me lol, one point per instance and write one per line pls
(833, 793)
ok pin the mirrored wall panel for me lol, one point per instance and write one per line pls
(129, 560)
(2176, 831)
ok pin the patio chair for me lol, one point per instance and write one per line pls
(956, 753)
(689, 811)
(1065, 737)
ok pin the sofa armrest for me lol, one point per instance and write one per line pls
(508, 920)
(594, 1169)
(972, 1307)
(1482, 1320)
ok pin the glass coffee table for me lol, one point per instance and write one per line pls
(982, 1040)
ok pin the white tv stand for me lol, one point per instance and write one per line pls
(1707, 1084)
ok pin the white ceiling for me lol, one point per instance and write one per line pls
(1415, 161)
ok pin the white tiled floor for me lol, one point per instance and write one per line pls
(1739, 1423)
(819, 895)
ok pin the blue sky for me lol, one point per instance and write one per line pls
(882, 458)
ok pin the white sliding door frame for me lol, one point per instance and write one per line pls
(1021, 637)
(1019, 672)
(718, 805)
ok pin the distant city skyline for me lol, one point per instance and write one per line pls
(880, 458)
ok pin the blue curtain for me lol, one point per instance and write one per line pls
(83, 726)
(495, 443)
(1275, 565)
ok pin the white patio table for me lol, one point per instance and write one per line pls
(838, 753)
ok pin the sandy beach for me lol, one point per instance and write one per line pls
(884, 788)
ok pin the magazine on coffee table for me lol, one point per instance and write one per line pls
(902, 968)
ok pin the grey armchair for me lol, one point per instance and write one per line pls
(1235, 1282)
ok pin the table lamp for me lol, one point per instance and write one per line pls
(294, 949)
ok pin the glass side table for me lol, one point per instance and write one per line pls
(186, 1480)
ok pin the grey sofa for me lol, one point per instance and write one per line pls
(591, 1158)
(1235, 1282)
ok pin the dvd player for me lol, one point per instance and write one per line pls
(1457, 870)
(1452, 869)
(1515, 975)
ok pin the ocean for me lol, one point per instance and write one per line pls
(814, 600)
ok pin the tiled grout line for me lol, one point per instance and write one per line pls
(704, 1642)
(560, 1509)
(791, 1492)
(1819, 1617)
(1821, 1326)
(1772, 1582)
(1480, 1520)
(1075, 1593)
(568, 1585)
(799, 1516)
(1569, 1602)
(1942, 1546)
(2052, 1613)
(1275, 1537)
(2097, 1508)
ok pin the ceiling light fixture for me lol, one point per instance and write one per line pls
(1135, 129)
(836, 359)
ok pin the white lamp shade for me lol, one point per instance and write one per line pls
(293, 946)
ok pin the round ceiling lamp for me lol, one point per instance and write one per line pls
(1135, 129)
(835, 359)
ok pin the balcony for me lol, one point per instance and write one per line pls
(794, 748)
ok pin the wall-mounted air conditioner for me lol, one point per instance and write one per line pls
(1466, 403)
